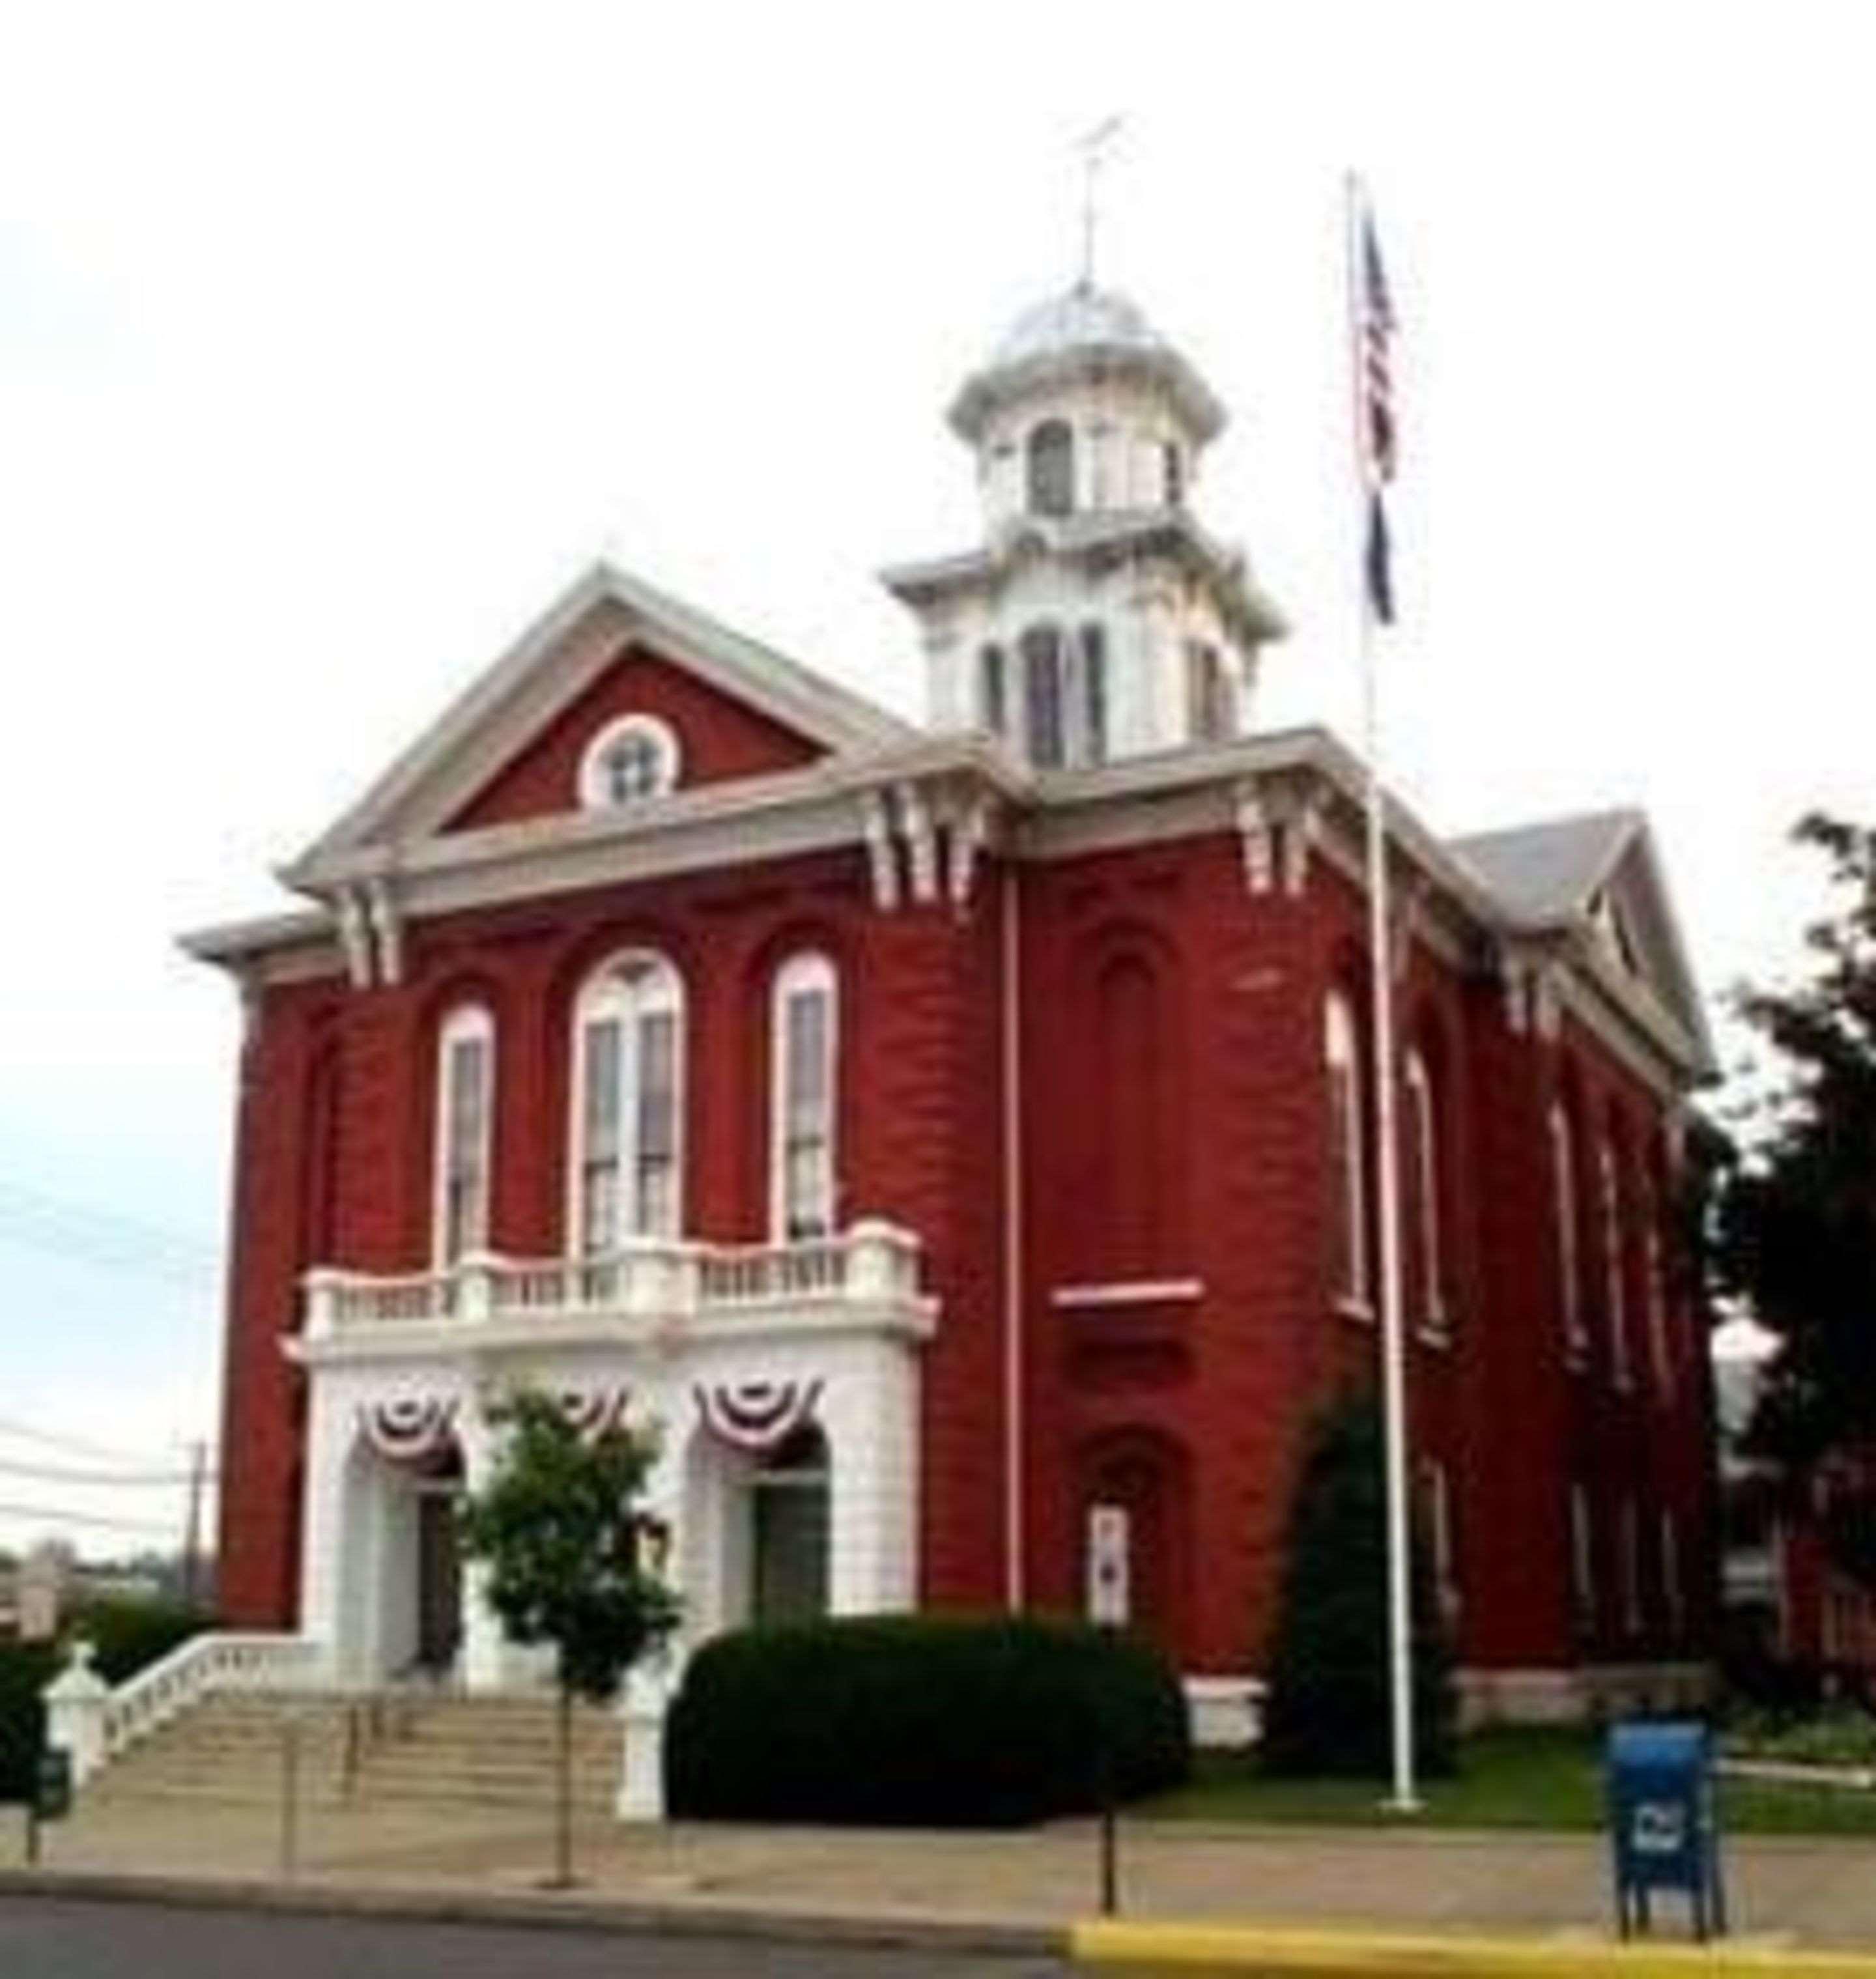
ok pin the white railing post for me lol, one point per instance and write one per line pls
(876, 1260)
(476, 1276)
(641, 1717)
(323, 1285)
(76, 1701)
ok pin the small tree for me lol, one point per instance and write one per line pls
(1329, 1708)
(1796, 1224)
(570, 1554)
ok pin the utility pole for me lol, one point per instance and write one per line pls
(192, 1527)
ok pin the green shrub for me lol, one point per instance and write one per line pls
(1328, 1709)
(128, 1635)
(928, 1721)
(26, 1670)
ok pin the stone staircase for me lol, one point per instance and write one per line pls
(392, 1750)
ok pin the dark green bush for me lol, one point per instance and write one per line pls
(927, 1721)
(26, 1670)
(128, 1635)
(1328, 1708)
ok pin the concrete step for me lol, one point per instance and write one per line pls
(417, 1750)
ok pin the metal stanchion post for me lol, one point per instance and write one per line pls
(289, 1795)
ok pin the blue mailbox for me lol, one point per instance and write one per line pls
(1663, 1823)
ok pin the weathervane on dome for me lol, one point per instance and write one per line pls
(1094, 148)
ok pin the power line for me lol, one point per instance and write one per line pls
(11, 1426)
(59, 1474)
(89, 1236)
(56, 1516)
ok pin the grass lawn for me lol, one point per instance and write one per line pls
(1535, 1779)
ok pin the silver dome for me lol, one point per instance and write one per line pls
(1083, 318)
(1083, 326)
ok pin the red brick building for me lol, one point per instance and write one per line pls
(943, 1133)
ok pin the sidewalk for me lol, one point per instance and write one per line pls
(1813, 1890)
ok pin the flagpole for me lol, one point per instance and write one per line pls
(1394, 1372)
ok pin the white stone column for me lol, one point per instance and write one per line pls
(331, 1425)
(75, 1703)
(487, 1656)
(869, 1413)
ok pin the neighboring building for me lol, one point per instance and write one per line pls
(1786, 1599)
(946, 1133)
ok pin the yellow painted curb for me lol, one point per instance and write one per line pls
(1192, 1950)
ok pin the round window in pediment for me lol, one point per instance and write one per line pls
(629, 761)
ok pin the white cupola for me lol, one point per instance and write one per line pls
(1098, 620)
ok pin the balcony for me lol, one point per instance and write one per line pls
(866, 1279)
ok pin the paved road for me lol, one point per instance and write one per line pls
(50, 1937)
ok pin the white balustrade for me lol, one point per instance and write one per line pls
(95, 1723)
(653, 1280)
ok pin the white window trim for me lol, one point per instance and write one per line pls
(1656, 1292)
(607, 993)
(1570, 1260)
(663, 737)
(466, 1021)
(809, 971)
(1433, 1316)
(1583, 1557)
(1613, 1262)
(1629, 1538)
(1438, 1488)
(1673, 1594)
(1341, 1048)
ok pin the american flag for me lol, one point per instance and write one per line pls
(1376, 360)
(1374, 330)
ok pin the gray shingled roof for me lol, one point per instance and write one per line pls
(1544, 872)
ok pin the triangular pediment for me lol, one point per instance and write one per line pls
(1631, 922)
(1597, 876)
(508, 749)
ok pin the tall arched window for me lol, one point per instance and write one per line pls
(1613, 1263)
(1655, 1289)
(1423, 1157)
(1093, 697)
(1436, 1521)
(1348, 1258)
(629, 1113)
(1042, 693)
(804, 1031)
(1052, 468)
(1563, 1186)
(465, 1132)
(1582, 1559)
(993, 704)
(1131, 1040)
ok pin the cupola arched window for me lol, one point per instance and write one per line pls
(627, 1113)
(805, 1029)
(1052, 468)
(1093, 696)
(1348, 1260)
(1041, 692)
(1208, 695)
(1173, 468)
(465, 1122)
(992, 697)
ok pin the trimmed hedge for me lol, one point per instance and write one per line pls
(924, 1720)
(127, 1634)
(26, 1670)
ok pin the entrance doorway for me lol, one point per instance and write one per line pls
(788, 1503)
(440, 1581)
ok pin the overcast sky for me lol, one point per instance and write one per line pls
(332, 345)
